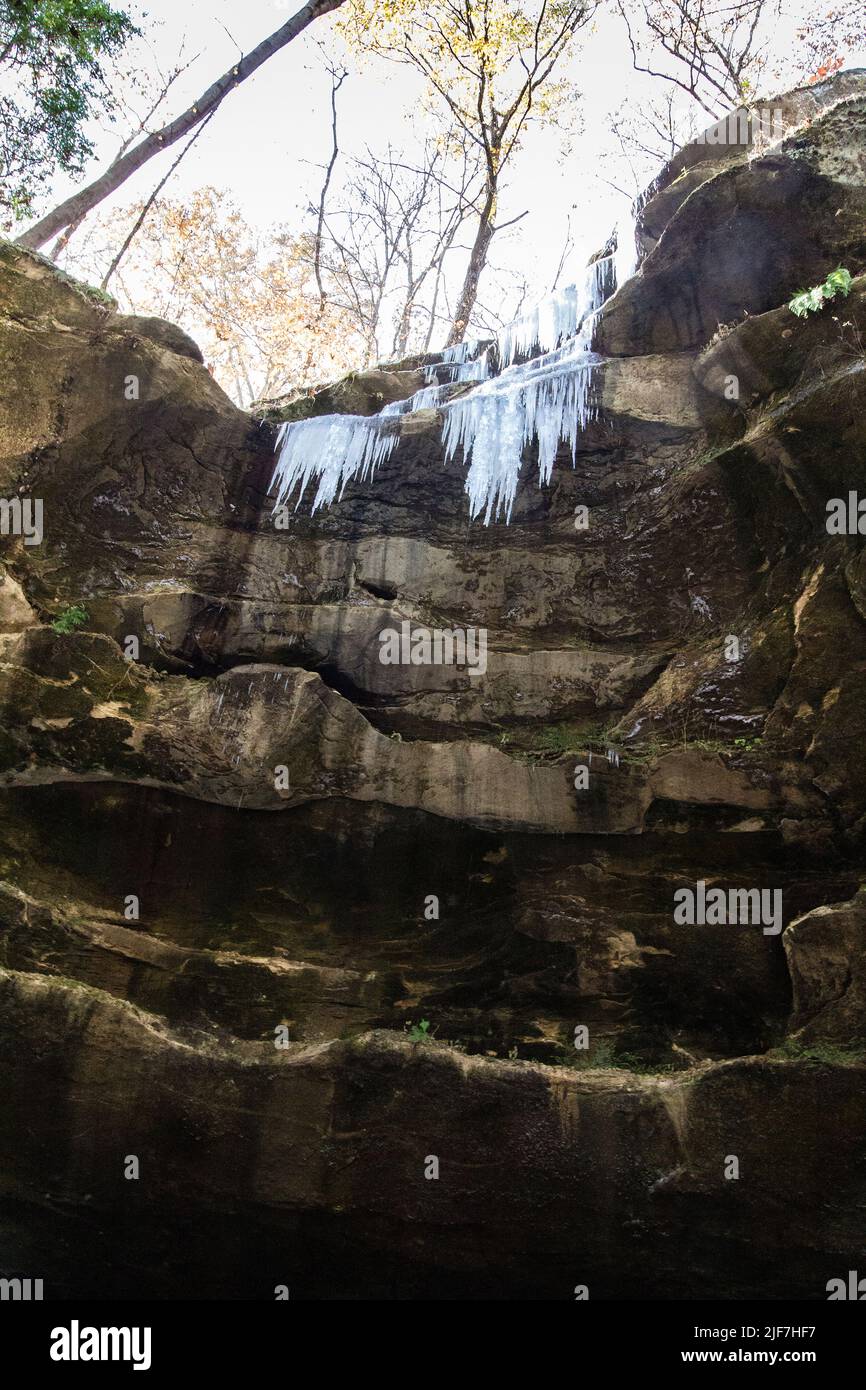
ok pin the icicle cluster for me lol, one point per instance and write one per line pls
(332, 448)
(543, 327)
(558, 317)
(464, 361)
(478, 370)
(547, 398)
(424, 399)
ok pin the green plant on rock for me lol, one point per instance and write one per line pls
(603, 1054)
(419, 1032)
(557, 738)
(573, 738)
(70, 618)
(812, 301)
(100, 295)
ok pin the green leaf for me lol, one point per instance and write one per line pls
(71, 618)
(811, 301)
(838, 282)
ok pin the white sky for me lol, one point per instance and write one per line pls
(265, 141)
(270, 133)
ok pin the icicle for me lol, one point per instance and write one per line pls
(424, 399)
(460, 352)
(463, 362)
(558, 317)
(626, 254)
(477, 369)
(543, 326)
(332, 449)
(548, 399)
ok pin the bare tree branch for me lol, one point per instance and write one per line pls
(80, 203)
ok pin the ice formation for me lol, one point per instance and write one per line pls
(477, 370)
(559, 316)
(464, 361)
(332, 448)
(548, 399)
(424, 399)
(518, 397)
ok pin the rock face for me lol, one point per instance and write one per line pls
(242, 859)
(827, 962)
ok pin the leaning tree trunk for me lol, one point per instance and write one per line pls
(477, 261)
(77, 207)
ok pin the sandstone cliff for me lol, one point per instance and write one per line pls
(303, 903)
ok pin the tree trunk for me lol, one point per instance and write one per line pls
(117, 173)
(477, 261)
(401, 337)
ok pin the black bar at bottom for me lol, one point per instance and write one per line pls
(66, 1338)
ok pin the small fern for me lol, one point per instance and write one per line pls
(71, 618)
(812, 301)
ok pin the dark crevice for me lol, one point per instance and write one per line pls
(385, 591)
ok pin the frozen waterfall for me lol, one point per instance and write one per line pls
(558, 317)
(332, 448)
(548, 399)
(516, 398)
(465, 362)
